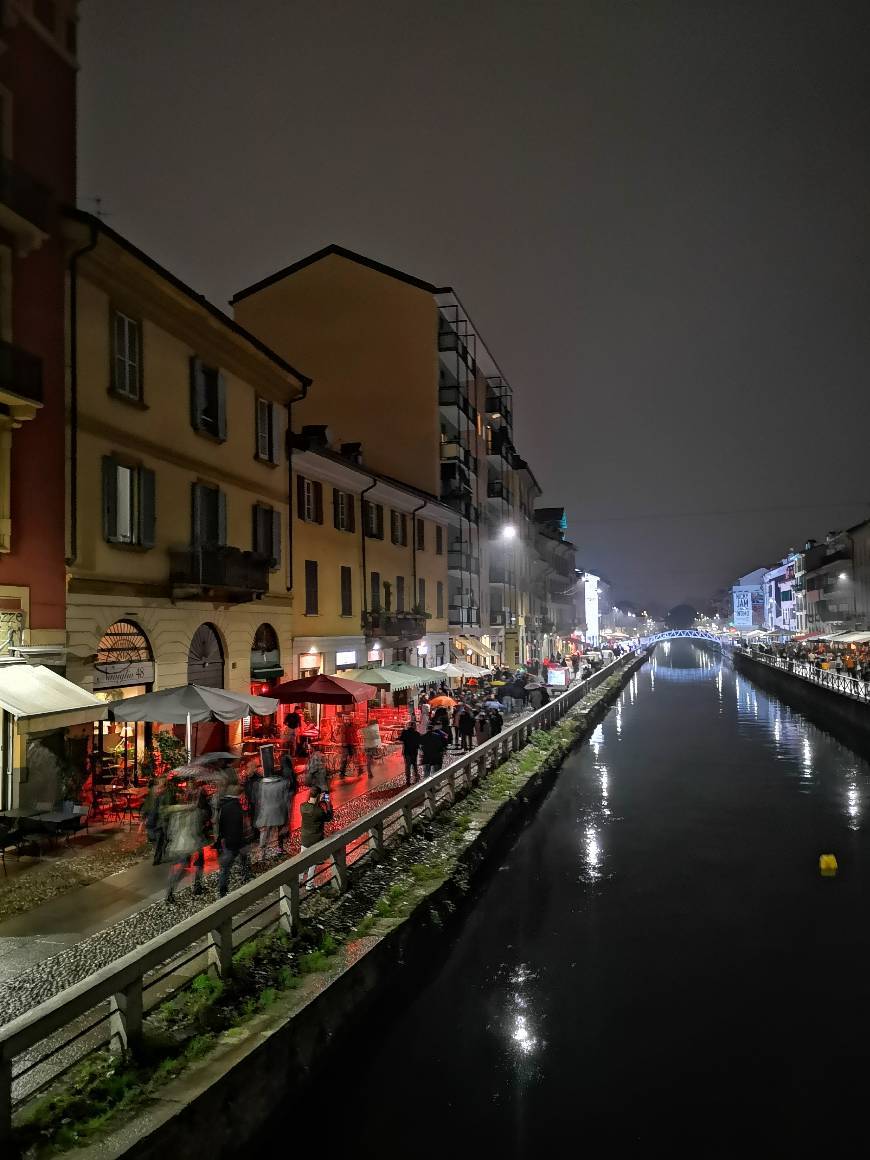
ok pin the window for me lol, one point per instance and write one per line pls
(311, 588)
(400, 594)
(126, 356)
(208, 517)
(439, 599)
(398, 528)
(374, 520)
(128, 504)
(421, 535)
(343, 511)
(346, 591)
(208, 400)
(267, 432)
(266, 539)
(309, 500)
(439, 540)
(421, 595)
(376, 591)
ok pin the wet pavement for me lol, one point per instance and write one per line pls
(657, 963)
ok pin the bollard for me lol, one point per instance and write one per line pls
(376, 838)
(408, 815)
(339, 869)
(451, 786)
(431, 800)
(125, 1018)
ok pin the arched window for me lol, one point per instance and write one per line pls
(265, 654)
(205, 658)
(124, 656)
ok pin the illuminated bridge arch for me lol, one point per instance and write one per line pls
(684, 634)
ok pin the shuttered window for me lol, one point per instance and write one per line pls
(311, 608)
(439, 599)
(208, 516)
(346, 591)
(126, 356)
(376, 591)
(400, 594)
(267, 534)
(421, 595)
(343, 511)
(399, 528)
(309, 500)
(439, 540)
(128, 503)
(267, 431)
(374, 520)
(208, 400)
(421, 535)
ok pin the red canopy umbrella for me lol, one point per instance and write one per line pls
(324, 690)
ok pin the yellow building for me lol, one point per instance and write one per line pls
(369, 566)
(179, 525)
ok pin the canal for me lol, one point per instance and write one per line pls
(656, 962)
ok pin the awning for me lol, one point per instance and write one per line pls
(850, 638)
(39, 699)
(420, 675)
(464, 643)
(381, 678)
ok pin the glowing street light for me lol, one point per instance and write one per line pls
(509, 532)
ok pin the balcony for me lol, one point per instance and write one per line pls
(20, 380)
(389, 625)
(460, 615)
(498, 489)
(498, 574)
(25, 207)
(449, 396)
(498, 445)
(238, 576)
(462, 561)
(498, 616)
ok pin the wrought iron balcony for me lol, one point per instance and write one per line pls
(24, 198)
(398, 625)
(462, 561)
(462, 615)
(498, 489)
(242, 576)
(20, 375)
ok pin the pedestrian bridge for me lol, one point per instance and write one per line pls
(683, 634)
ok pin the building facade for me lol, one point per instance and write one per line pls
(747, 597)
(37, 175)
(780, 597)
(179, 530)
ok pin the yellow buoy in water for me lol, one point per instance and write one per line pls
(828, 865)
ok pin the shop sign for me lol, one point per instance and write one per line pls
(117, 674)
(345, 659)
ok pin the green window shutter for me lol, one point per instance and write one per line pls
(276, 540)
(197, 393)
(118, 348)
(110, 499)
(196, 536)
(274, 440)
(147, 507)
(222, 406)
(351, 513)
(300, 496)
(318, 503)
(222, 518)
(335, 509)
(380, 514)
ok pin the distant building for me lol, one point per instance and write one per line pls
(828, 586)
(780, 606)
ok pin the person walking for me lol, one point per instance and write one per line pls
(350, 739)
(371, 739)
(575, 664)
(465, 729)
(185, 842)
(425, 713)
(151, 815)
(481, 728)
(272, 809)
(496, 721)
(433, 743)
(410, 740)
(315, 815)
(234, 837)
(292, 724)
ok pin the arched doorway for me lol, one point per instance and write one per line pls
(205, 658)
(123, 667)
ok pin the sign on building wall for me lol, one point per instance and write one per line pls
(742, 607)
(590, 594)
(119, 674)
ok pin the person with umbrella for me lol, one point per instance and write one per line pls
(465, 728)
(233, 837)
(481, 727)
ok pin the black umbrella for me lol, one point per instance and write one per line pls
(211, 758)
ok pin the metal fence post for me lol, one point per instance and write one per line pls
(288, 904)
(5, 1102)
(451, 786)
(220, 948)
(408, 815)
(125, 1017)
(339, 869)
(431, 800)
(376, 838)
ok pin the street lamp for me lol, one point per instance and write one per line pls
(509, 532)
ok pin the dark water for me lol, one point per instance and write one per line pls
(656, 964)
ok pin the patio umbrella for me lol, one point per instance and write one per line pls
(442, 702)
(380, 678)
(451, 670)
(421, 675)
(210, 758)
(493, 705)
(189, 703)
(324, 690)
(497, 684)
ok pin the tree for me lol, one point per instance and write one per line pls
(681, 616)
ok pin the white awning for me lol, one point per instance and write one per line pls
(39, 699)
(465, 643)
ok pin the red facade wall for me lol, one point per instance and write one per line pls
(42, 84)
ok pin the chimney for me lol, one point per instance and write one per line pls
(351, 451)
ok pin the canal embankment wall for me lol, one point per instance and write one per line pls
(843, 717)
(296, 1047)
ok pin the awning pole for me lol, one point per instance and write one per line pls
(187, 738)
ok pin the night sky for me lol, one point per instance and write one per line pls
(656, 214)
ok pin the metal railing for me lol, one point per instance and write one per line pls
(223, 567)
(840, 683)
(121, 984)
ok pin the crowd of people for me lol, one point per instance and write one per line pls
(846, 660)
(248, 812)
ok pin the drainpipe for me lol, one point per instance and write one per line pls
(74, 395)
(414, 557)
(362, 530)
(290, 491)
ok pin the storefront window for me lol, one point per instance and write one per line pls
(123, 667)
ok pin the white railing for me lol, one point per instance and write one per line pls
(123, 982)
(840, 683)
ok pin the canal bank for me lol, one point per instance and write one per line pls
(243, 1075)
(657, 962)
